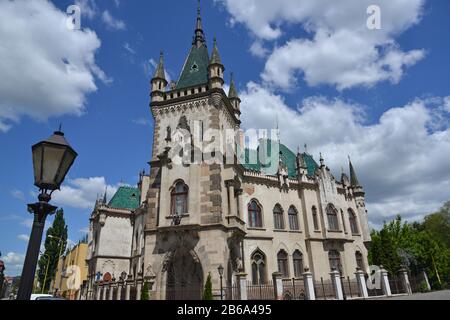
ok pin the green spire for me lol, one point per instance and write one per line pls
(353, 178)
(233, 92)
(215, 56)
(159, 73)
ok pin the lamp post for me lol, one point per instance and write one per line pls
(2, 270)
(220, 269)
(52, 160)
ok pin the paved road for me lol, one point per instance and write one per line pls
(437, 295)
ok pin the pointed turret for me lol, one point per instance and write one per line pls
(234, 98)
(353, 178)
(159, 82)
(195, 68)
(199, 37)
(216, 68)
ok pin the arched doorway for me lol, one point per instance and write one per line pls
(184, 277)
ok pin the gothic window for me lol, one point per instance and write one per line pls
(282, 258)
(353, 221)
(258, 268)
(359, 260)
(179, 198)
(278, 217)
(335, 260)
(315, 218)
(297, 258)
(333, 223)
(293, 219)
(254, 215)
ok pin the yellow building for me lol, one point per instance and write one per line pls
(71, 272)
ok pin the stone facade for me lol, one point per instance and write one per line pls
(304, 218)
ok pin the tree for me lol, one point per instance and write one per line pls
(207, 293)
(53, 247)
(144, 293)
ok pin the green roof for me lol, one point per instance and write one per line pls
(195, 69)
(288, 158)
(125, 198)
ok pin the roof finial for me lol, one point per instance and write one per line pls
(322, 161)
(104, 197)
(306, 148)
(199, 37)
(199, 9)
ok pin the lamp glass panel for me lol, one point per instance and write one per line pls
(52, 160)
(67, 162)
(37, 162)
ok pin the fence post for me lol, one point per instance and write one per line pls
(112, 285)
(361, 283)
(139, 282)
(385, 282)
(98, 293)
(129, 282)
(241, 279)
(278, 285)
(337, 284)
(309, 285)
(425, 277)
(405, 280)
(119, 289)
(105, 288)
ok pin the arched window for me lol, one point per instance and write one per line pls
(278, 217)
(315, 218)
(353, 221)
(179, 199)
(335, 260)
(293, 219)
(258, 268)
(254, 215)
(283, 267)
(297, 258)
(359, 260)
(333, 223)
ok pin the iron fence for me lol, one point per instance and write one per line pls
(324, 290)
(231, 292)
(350, 288)
(375, 292)
(396, 285)
(260, 291)
(294, 289)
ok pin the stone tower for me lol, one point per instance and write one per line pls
(192, 225)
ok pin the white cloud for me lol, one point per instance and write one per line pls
(84, 230)
(402, 159)
(23, 237)
(46, 69)
(13, 263)
(338, 48)
(142, 121)
(18, 194)
(112, 22)
(83, 192)
(258, 50)
(128, 48)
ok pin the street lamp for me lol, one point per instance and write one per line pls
(52, 160)
(220, 269)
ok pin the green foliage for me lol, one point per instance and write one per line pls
(207, 293)
(423, 288)
(144, 292)
(53, 248)
(421, 246)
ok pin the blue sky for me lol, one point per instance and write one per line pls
(380, 96)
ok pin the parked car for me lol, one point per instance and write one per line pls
(41, 296)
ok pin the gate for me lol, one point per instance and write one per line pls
(294, 289)
(350, 288)
(396, 285)
(324, 290)
(260, 291)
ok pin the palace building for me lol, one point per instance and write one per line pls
(184, 221)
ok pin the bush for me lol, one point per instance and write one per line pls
(144, 292)
(423, 288)
(207, 293)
